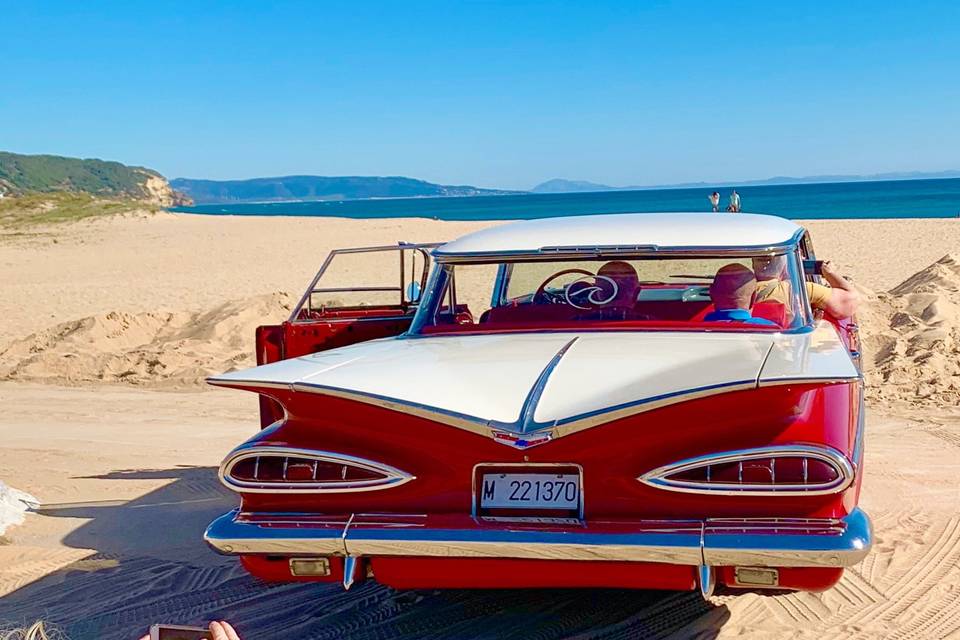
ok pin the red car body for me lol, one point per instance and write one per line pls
(692, 454)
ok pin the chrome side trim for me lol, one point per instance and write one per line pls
(751, 542)
(659, 478)
(232, 384)
(758, 544)
(233, 534)
(860, 435)
(774, 382)
(557, 429)
(450, 418)
(392, 477)
(583, 421)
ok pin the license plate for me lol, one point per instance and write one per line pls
(530, 491)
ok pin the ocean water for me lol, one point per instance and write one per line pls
(887, 199)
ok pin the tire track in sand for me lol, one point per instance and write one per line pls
(924, 575)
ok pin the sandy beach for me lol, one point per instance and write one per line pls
(109, 325)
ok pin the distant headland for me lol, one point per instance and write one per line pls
(318, 188)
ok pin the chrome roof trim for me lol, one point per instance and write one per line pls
(586, 252)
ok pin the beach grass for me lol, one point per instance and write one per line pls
(43, 209)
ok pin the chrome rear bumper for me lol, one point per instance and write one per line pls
(756, 542)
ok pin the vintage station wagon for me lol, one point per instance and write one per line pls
(556, 403)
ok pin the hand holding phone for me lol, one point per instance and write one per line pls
(178, 632)
(217, 631)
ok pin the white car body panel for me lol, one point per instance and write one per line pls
(490, 379)
(819, 355)
(673, 230)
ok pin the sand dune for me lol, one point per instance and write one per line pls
(912, 338)
(156, 349)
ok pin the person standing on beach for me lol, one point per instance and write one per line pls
(734, 202)
(715, 201)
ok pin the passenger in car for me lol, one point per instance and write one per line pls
(733, 292)
(840, 299)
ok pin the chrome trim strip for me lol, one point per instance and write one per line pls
(583, 421)
(659, 477)
(774, 382)
(672, 548)
(772, 547)
(756, 542)
(230, 384)
(436, 414)
(557, 428)
(231, 535)
(525, 423)
(860, 435)
(393, 477)
(424, 248)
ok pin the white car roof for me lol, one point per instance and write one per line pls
(627, 230)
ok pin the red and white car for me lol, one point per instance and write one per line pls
(542, 416)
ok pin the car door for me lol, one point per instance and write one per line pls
(358, 294)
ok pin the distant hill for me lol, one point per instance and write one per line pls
(25, 174)
(558, 185)
(319, 188)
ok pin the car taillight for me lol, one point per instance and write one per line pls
(776, 470)
(278, 469)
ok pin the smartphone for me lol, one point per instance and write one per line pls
(813, 267)
(177, 632)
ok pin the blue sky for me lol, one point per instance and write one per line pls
(494, 94)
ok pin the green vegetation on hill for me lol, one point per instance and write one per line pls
(40, 209)
(45, 174)
(318, 188)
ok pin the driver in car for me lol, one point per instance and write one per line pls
(627, 283)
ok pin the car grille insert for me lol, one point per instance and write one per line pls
(777, 470)
(278, 469)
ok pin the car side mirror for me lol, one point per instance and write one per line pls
(413, 292)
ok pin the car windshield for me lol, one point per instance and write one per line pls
(711, 293)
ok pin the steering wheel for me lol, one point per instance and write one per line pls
(542, 296)
(592, 291)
